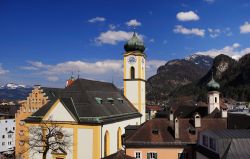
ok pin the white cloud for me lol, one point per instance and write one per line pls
(187, 16)
(2, 70)
(193, 31)
(245, 28)
(209, 1)
(53, 78)
(152, 40)
(112, 26)
(213, 33)
(97, 19)
(102, 70)
(133, 23)
(113, 37)
(233, 51)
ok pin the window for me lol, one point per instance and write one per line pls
(6, 129)
(98, 100)
(110, 100)
(215, 99)
(13, 128)
(3, 143)
(182, 155)
(3, 136)
(6, 121)
(132, 73)
(212, 144)
(138, 155)
(205, 140)
(120, 100)
(9, 136)
(152, 155)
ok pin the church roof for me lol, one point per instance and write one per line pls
(92, 102)
(213, 85)
(134, 44)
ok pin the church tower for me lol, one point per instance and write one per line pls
(213, 95)
(134, 74)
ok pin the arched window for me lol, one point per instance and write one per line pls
(119, 139)
(132, 72)
(106, 144)
(215, 99)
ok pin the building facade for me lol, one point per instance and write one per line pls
(36, 99)
(93, 113)
(7, 136)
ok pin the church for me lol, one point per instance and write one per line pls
(95, 113)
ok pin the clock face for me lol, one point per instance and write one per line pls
(132, 59)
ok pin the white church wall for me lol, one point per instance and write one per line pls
(59, 113)
(113, 129)
(85, 144)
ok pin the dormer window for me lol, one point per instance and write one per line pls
(155, 131)
(120, 100)
(98, 100)
(110, 100)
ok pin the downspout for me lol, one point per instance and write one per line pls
(101, 141)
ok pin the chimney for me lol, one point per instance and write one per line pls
(176, 128)
(171, 116)
(224, 113)
(197, 120)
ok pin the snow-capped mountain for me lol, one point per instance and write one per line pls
(13, 86)
(201, 60)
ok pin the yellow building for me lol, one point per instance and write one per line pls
(93, 113)
(36, 99)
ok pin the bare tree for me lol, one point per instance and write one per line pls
(47, 136)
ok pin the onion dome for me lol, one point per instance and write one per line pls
(213, 85)
(134, 44)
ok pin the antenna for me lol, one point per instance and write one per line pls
(78, 74)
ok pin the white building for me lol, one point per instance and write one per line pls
(7, 135)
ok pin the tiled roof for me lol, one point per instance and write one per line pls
(155, 132)
(231, 144)
(119, 155)
(80, 99)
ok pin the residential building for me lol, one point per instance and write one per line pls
(176, 137)
(223, 144)
(7, 136)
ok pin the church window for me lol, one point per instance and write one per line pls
(106, 144)
(119, 139)
(98, 100)
(132, 72)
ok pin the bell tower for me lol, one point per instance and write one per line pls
(213, 95)
(134, 74)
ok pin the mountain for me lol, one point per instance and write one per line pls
(12, 91)
(13, 86)
(176, 73)
(233, 77)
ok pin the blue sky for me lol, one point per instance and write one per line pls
(42, 42)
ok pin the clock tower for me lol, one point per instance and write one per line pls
(134, 74)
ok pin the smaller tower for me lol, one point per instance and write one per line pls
(70, 80)
(213, 95)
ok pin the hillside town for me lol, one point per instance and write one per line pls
(67, 95)
(97, 120)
